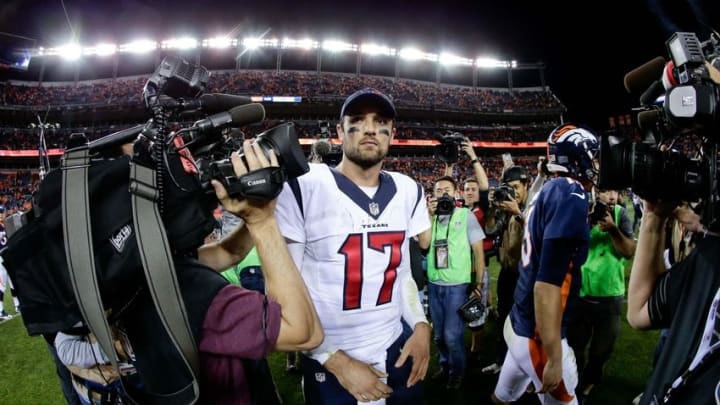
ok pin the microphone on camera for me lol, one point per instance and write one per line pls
(238, 116)
(639, 79)
(215, 102)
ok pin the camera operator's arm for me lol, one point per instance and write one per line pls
(648, 265)
(228, 251)
(480, 175)
(449, 169)
(300, 328)
(622, 243)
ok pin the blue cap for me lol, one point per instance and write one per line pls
(368, 97)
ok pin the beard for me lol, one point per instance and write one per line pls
(365, 160)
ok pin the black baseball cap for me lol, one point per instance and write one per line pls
(368, 97)
(514, 173)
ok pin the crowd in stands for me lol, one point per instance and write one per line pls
(309, 85)
(26, 138)
(16, 189)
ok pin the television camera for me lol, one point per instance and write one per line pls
(676, 157)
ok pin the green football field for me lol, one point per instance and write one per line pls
(27, 374)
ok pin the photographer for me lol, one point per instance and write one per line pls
(597, 320)
(507, 220)
(685, 299)
(482, 180)
(455, 251)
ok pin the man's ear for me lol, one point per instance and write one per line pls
(393, 132)
(340, 131)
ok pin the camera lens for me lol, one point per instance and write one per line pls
(283, 141)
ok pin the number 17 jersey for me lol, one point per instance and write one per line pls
(356, 253)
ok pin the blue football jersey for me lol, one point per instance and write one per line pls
(558, 211)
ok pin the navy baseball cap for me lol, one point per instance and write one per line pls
(368, 97)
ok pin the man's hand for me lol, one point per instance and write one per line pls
(684, 214)
(432, 205)
(417, 347)
(468, 149)
(510, 207)
(552, 375)
(361, 380)
(606, 224)
(252, 211)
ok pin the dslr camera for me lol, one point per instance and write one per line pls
(599, 212)
(445, 205)
(659, 166)
(504, 192)
(448, 150)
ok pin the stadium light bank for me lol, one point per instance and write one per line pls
(75, 51)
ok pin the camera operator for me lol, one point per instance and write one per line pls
(240, 323)
(507, 220)
(597, 320)
(685, 299)
(455, 251)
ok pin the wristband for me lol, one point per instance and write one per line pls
(476, 160)
(323, 357)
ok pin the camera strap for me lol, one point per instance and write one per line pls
(162, 282)
(79, 249)
(155, 254)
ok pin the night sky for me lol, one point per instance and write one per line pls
(587, 47)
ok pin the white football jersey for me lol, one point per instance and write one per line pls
(356, 253)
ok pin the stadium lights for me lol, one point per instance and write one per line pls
(374, 49)
(219, 42)
(448, 59)
(138, 46)
(252, 43)
(75, 51)
(100, 50)
(305, 43)
(179, 43)
(416, 54)
(70, 51)
(338, 46)
(490, 63)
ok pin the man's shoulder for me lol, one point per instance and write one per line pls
(562, 189)
(402, 180)
(317, 172)
(405, 187)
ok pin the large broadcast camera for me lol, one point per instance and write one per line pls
(175, 88)
(679, 117)
(448, 149)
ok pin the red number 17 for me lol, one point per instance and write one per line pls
(352, 249)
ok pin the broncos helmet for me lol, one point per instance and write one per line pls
(571, 149)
